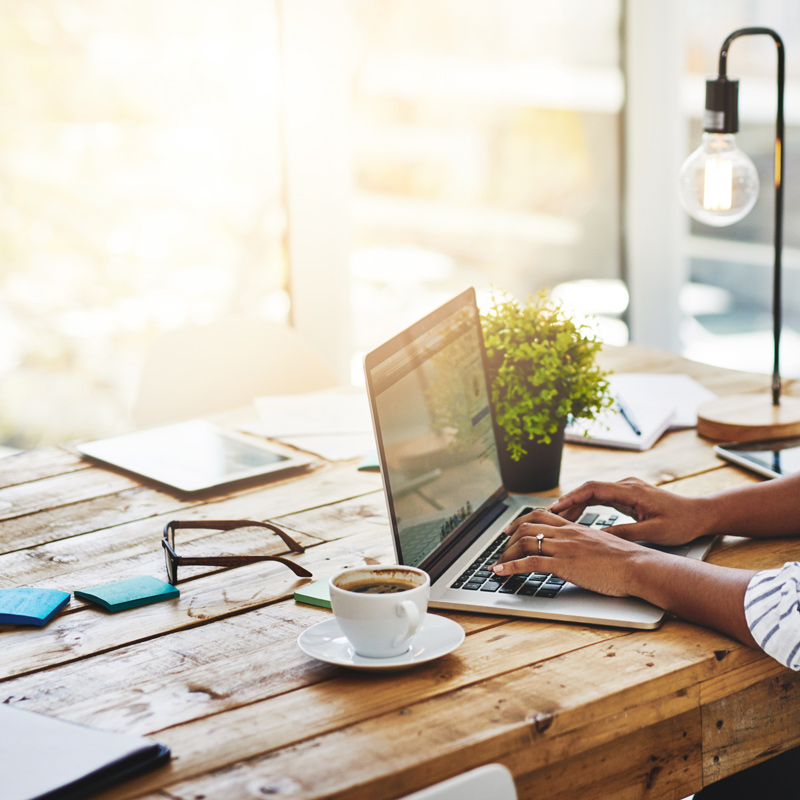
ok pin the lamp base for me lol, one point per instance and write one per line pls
(748, 418)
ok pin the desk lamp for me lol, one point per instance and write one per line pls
(719, 186)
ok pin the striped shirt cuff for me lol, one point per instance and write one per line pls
(772, 610)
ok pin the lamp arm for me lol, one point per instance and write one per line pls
(777, 311)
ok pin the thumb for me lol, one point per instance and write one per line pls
(630, 532)
(569, 513)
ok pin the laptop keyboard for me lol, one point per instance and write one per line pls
(479, 578)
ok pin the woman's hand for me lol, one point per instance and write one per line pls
(661, 516)
(598, 560)
(591, 558)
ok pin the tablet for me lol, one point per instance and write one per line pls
(193, 456)
(772, 458)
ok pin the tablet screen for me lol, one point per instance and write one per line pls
(192, 456)
(773, 458)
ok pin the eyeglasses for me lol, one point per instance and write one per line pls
(172, 559)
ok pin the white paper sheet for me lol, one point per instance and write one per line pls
(316, 413)
(333, 424)
(657, 402)
(680, 390)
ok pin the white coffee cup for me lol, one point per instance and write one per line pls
(378, 621)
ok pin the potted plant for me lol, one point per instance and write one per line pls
(542, 372)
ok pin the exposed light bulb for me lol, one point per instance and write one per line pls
(718, 182)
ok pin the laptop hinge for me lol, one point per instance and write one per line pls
(439, 562)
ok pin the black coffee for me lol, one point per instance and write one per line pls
(380, 587)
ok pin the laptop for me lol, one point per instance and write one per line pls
(437, 447)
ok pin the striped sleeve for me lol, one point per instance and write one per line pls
(773, 614)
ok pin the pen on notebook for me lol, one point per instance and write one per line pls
(628, 417)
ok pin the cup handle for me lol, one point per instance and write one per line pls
(410, 611)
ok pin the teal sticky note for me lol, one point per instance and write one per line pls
(129, 593)
(315, 594)
(27, 606)
(370, 463)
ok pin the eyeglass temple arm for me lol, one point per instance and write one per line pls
(240, 561)
(230, 524)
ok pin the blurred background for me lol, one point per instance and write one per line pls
(343, 166)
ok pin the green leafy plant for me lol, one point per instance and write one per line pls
(542, 369)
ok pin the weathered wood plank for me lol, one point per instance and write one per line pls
(353, 698)
(59, 491)
(106, 556)
(749, 726)
(740, 679)
(713, 481)
(365, 514)
(663, 760)
(526, 713)
(91, 630)
(734, 551)
(320, 488)
(195, 672)
(676, 455)
(33, 465)
(66, 522)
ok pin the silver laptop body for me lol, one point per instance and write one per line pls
(437, 446)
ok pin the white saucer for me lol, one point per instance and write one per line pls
(437, 637)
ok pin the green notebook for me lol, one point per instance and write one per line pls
(315, 594)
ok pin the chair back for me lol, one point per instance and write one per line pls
(202, 369)
(493, 781)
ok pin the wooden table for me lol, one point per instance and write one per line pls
(573, 711)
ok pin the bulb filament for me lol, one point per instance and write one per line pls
(718, 186)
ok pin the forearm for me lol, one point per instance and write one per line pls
(766, 509)
(693, 590)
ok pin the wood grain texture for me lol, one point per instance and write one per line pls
(533, 717)
(107, 515)
(748, 418)
(573, 711)
(663, 760)
(59, 491)
(750, 725)
(217, 594)
(676, 455)
(189, 675)
(32, 465)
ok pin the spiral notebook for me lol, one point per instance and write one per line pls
(654, 403)
(638, 430)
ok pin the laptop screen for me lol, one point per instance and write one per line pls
(433, 425)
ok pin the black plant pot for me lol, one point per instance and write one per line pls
(538, 470)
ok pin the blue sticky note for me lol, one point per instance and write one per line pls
(129, 593)
(27, 606)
